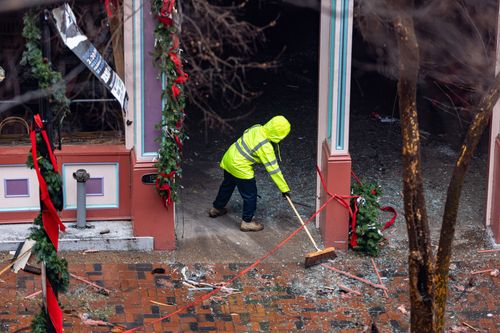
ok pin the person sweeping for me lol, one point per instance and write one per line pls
(253, 147)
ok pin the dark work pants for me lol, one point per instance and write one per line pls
(247, 189)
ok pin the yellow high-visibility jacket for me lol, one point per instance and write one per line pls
(254, 146)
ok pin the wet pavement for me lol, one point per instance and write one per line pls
(271, 297)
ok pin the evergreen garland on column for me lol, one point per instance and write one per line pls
(44, 249)
(167, 58)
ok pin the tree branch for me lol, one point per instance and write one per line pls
(474, 133)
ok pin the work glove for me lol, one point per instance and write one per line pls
(285, 195)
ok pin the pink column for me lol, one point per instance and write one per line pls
(333, 117)
(149, 216)
(334, 222)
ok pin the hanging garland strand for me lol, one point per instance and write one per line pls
(47, 224)
(167, 59)
(40, 66)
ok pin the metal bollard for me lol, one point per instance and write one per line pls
(81, 176)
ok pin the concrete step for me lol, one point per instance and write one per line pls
(104, 236)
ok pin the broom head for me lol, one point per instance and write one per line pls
(317, 257)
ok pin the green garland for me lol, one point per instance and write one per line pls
(368, 227)
(56, 268)
(40, 66)
(167, 60)
(39, 323)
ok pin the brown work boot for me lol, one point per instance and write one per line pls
(214, 212)
(251, 226)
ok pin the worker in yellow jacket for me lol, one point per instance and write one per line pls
(254, 146)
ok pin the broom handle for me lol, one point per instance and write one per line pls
(302, 222)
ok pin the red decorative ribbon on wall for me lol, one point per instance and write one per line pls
(167, 200)
(50, 219)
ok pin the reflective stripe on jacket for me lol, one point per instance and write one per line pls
(254, 146)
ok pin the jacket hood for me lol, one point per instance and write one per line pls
(276, 129)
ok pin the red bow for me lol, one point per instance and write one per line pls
(167, 200)
(175, 91)
(182, 78)
(165, 16)
(181, 75)
(178, 142)
(175, 59)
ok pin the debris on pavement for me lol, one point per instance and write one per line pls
(383, 119)
(85, 317)
(379, 278)
(482, 271)
(160, 303)
(349, 290)
(14, 261)
(100, 289)
(355, 277)
(36, 293)
(23, 253)
(488, 250)
(203, 286)
(458, 329)
(403, 310)
(469, 326)
(325, 291)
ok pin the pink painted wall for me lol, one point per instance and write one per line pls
(80, 154)
(495, 214)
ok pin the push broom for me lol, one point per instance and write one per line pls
(313, 258)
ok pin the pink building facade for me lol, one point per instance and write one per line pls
(120, 187)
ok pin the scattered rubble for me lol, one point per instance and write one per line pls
(100, 289)
(195, 285)
(403, 310)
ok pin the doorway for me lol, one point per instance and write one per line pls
(289, 90)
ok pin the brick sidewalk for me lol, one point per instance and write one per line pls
(274, 297)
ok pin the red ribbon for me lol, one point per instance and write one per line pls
(182, 78)
(391, 221)
(167, 201)
(354, 235)
(175, 91)
(175, 59)
(165, 16)
(181, 75)
(175, 43)
(50, 219)
(178, 142)
(107, 5)
(165, 20)
(53, 309)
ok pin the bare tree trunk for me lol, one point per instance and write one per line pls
(469, 145)
(420, 256)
